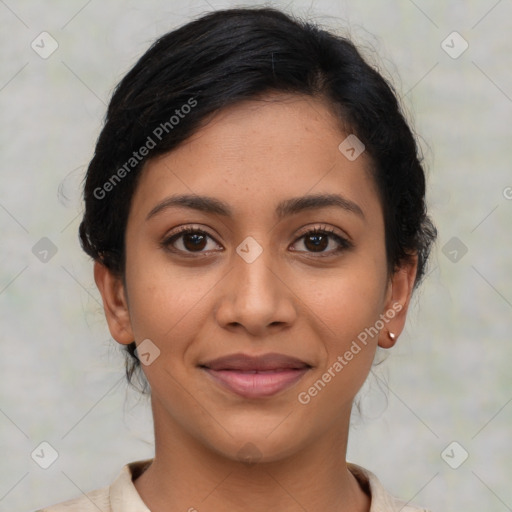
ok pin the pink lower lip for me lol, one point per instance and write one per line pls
(257, 385)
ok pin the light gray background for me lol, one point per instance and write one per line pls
(449, 376)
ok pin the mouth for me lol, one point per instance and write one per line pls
(256, 377)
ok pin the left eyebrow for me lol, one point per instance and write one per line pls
(284, 208)
(315, 201)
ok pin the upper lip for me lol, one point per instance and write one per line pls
(245, 362)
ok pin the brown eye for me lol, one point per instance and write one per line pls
(193, 241)
(318, 240)
(188, 240)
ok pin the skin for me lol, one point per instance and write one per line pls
(289, 300)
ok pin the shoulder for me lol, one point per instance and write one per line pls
(381, 500)
(90, 502)
(120, 496)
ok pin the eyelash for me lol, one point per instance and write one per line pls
(344, 244)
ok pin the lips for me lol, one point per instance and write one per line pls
(266, 362)
(256, 376)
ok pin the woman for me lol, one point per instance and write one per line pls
(256, 212)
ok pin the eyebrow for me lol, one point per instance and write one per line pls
(284, 208)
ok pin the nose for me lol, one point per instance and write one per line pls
(256, 296)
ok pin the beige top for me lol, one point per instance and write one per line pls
(122, 496)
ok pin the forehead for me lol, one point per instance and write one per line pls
(256, 153)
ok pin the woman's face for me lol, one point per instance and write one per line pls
(253, 280)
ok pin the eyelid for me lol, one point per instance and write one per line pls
(187, 228)
(325, 228)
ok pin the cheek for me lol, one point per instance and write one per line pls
(344, 309)
(167, 303)
(344, 316)
(164, 309)
(346, 300)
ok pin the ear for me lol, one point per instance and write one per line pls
(397, 302)
(114, 303)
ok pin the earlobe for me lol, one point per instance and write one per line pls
(397, 303)
(114, 303)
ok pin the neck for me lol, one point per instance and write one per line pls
(188, 475)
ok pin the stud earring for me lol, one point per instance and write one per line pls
(392, 336)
